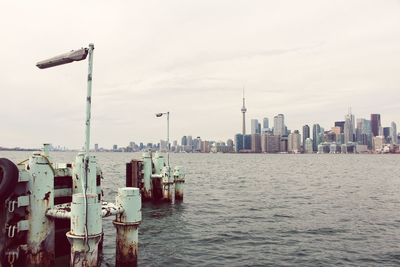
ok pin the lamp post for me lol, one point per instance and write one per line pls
(160, 115)
(86, 229)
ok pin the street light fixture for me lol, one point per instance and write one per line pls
(62, 59)
(76, 55)
(160, 115)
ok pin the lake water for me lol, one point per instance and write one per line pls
(266, 210)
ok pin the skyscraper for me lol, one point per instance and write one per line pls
(256, 143)
(265, 123)
(184, 141)
(254, 126)
(375, 124)
(279, 125)
(294, 142)
(340, 124)
(316, 136)
(349, 127)
(393, 132)
(244, 116)
(306, 134)
(238, 142)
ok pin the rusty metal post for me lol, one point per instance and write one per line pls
(133, 173)
(86, 230)
(84, 176)
(159, 163)
(179, 180)
(167, 184)
(40, 237)
(147, 172)
(127, 223)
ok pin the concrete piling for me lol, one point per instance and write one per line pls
(127, 223)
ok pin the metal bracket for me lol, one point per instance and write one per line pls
(22, 225)
(12, 256)
(24, 176)
(22, 201)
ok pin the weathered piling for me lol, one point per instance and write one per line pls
(147, 171)
(40, 237)
(127, 223)
(134, 173)
(179, 180)
(159, 163)
(157, 187)
(86, 230)
(84, 177)
(167, 184)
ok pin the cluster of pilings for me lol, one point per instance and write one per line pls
(157, 181)
(50, 204)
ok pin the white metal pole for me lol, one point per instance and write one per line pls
(89, 100)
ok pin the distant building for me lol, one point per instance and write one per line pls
(279, 125)
(238, 142)
(254, 126)
(184, 140)
(247, 142)
(205, 147)
(264, 142)
(294, 142)
(349, 128)
(283, 144)
(189, 143)
(378, 143)
(308, 148)
(256, 143)
(393, 133)
(340, 124)
(265, 123)
(230, 146)
(306, 134)
(273, 143)
(386, 135)
(375, 124)
(115, 148)
(96, 147)
(316, 136)
(163, 146)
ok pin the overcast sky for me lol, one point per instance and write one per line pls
(309, 60)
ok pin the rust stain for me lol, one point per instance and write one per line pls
(47, 196)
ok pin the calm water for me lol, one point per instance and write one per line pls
(267, 210)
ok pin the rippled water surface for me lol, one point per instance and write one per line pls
(266, 210)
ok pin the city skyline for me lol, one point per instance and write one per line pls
(309, 60)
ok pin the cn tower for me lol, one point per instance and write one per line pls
(244, 116)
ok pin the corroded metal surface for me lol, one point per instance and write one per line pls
(84, 253)
(63, 211)
(167, 183)
(40, 236)
(86, 229)
(127, 245)
(127, 223)
(179, 180)
(147, 172)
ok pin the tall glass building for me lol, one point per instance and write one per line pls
(238, 142)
